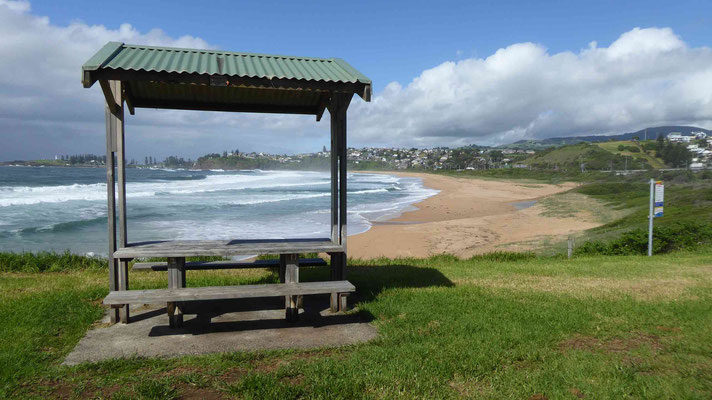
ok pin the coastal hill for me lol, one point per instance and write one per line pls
(611, 155)
(652, 133)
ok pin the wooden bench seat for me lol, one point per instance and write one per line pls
(159, 296)
(174, 297)
(209, 265)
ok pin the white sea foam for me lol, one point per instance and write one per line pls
(187, 205)
(27, 195)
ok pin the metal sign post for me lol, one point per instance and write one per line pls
(657, 198)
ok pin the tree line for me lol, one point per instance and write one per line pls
(673, 154)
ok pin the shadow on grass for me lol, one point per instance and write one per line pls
(263, 313)
(372, 280)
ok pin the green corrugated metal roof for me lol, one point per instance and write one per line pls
(164, 77)
(214, 62)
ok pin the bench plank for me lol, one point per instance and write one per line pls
(159, 296)
(209, 265)
(190, 248)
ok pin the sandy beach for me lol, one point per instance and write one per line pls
(468, 217)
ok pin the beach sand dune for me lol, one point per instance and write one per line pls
(468, 217)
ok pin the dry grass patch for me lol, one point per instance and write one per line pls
(579, 206)
(613, 345)
(467, 387)
(584, 287)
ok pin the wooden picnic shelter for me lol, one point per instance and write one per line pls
(135, 76)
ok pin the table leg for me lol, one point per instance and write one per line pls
(176, 279)
(291, 275)
(124, 285)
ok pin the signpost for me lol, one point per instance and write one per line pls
(657, 198)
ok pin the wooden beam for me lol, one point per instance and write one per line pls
(227, 107)
(211, 265)
(323, 103)
(128, 97)
(245, 81)
(108, 95)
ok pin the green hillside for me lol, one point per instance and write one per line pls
(648, 156)
(591, 156)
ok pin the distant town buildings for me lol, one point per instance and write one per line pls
(680, 138)
(698, 144)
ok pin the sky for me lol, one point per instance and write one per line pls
(445, 73)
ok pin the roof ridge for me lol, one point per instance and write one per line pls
(232, 53)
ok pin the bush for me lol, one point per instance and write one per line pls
(648, 146)
(666, 238)
(621, 147)
(633, 149)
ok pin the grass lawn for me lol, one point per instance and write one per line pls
(490, 327)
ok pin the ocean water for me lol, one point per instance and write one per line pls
(65, 208)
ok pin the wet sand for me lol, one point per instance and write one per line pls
(468, 217)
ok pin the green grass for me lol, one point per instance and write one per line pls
(503, 325)
(686, 202)
(591, 156)
(613, 148)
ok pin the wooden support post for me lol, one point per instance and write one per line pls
(111, 209)
(117, 122)
(343, 161)
(291, 276)
(176, 279)
(334, 180)
(338, 105)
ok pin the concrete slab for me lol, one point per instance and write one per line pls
(256, 324)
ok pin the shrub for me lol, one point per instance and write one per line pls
(621, 147)
(666, 238)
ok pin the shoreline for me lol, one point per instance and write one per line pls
(468, 216)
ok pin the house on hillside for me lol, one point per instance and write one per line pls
(679, 137)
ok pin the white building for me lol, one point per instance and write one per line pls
(678, 137)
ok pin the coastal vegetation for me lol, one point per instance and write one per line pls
(685, 225)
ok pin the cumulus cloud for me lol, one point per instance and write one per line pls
(646, 77)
